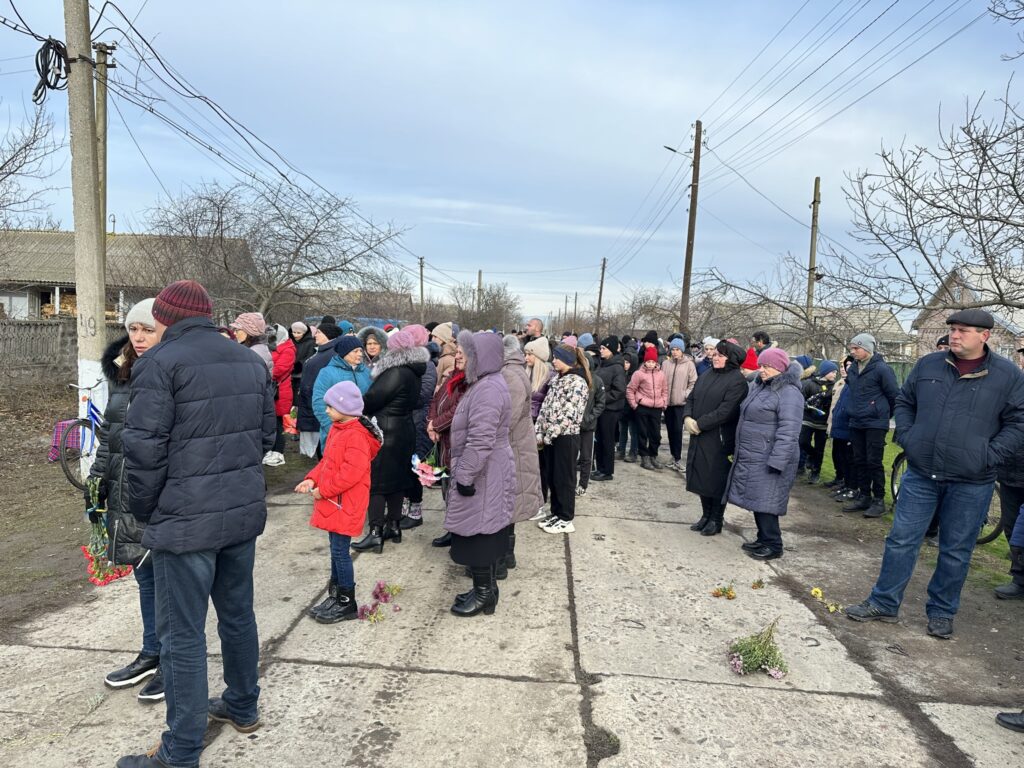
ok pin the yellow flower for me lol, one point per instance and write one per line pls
(817, 594)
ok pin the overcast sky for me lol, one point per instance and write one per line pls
(520, 138)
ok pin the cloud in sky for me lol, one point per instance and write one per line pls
(514, 137)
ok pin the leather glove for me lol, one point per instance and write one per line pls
(691, 425)
(465, 490)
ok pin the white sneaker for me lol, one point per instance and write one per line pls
(560, 526)
(541, 515)
(547, 521)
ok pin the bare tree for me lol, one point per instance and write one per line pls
(25, 152)
(1013, 12)
(495, 307)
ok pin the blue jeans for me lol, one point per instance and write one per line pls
(147, 607)
(342, 572)
(185, 584)
(961, 509)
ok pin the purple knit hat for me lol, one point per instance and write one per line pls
(401, 340)
(252, 323)
(420, 335)
(180, 300)
(345, 398)
(773, 357)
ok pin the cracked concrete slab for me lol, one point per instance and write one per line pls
(975, 731)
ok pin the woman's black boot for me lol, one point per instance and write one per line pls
(444, 540)
(714, 524)
(394, 531)
(373, 540)
(485, 594)
(699, 525)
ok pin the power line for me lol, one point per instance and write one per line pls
(149, 165)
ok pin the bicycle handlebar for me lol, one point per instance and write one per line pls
(80, 389)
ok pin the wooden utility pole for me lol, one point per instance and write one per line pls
(565, 312)
(90, 277)
(600, 299)
(691, 228)
(812, 263)
(575, 301)
(422, 309)
(479, 290)
(102, 50)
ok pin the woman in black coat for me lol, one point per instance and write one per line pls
(392, 399)
(305, 348)
(124, 532)
(710, 416)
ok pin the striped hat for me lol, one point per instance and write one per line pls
(181, 300)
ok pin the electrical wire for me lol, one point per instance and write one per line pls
(145, 159)
(53, 67)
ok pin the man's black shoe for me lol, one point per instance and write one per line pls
(764, 553)
(134, 673)
(940, 626)
(876, 509)
(601, 477)
(868, 611)
(141, 761)
(750, 546)
(858, 504)
(153, 691)
(1011, 591)
(218, 710)
(1012, 720)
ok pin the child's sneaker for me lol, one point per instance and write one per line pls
(560, 526)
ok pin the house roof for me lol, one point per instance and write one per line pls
(980, 287)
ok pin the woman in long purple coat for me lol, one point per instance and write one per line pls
(481, 504)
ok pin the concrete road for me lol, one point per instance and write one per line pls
(607, 646)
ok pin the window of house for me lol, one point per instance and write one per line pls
(15, 305)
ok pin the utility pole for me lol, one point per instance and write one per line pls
(90, 277)
(479, 290)
(575, 300)
(600, 299)
(102, 49)
(684, 304)
(812, 263)
(565, 312)
(422, 310)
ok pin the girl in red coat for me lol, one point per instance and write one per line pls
(282, 355)
(340, 485)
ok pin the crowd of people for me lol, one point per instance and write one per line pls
(521, 425)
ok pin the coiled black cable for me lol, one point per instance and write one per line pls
(52, 65)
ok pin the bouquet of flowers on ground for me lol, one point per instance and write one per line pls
(428, 470)
(383, 593)
(101, 571)
(758, 652)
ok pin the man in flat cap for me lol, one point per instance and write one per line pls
(959, 417)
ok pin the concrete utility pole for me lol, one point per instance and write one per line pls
(575, 301)
(102, 49)
(479, 290)
(565, 312)
(422, 309)
(90, 277)
(812, 263)
(600, 299)
(691, 228)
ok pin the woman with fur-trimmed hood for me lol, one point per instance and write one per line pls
(374, 342)
(392, 399)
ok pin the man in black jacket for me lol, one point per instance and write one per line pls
(611, 372)
(959, 417)
(200, 418)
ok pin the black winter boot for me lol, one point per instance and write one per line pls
(344, 607)
(393, 531)
(373, 540)
(714, 525)
(500, 569)
(444, 540)
(510, 558)
(332, 595)
(699, 525)
(484, 596)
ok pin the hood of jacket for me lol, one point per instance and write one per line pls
(378, 333)
(111, 356)
(414, 357)
(513, 352)
(484, 353)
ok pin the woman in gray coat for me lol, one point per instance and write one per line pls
(480, 510)
(768, 450)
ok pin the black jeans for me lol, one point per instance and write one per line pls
(279, 440)
(561, 467)
(627, 430)
(604, 441)
(648, 426)
(842, 460)
(385, 508)
(543, 459)
(1010, 499)
(868, 449)
(812, 442)
(768, 531)
(586, 459)
(674, 427)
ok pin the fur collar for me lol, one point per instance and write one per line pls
(395, 358)
(111, 360)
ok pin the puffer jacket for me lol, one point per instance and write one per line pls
(343, 477)
(428, 385)
(648, 388)
(839, 416)
(307, 421)
(482, 454)
(283, 356)
(124, 532)
(613, 374)
(336, 371)
(562, 411)
(521, 436)
(596, 400)
(200, 419)
(957, 428)
(872, 394)
(681, 376)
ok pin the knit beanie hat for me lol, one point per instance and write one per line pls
(570, 341)
(625, 340)
(586, 339)
(540, 349)
(863, 340)
(805, 361)
(330, 330)
(651, 336)
(420, 335)
(346, 344)
(299, 327)
(345, 398)
(445, 332)
(773, 357)
(750, 361)
(565, 353)
(328, 319)
(252, 323)
(401, 340)
(827, 367)
(141, 313)
(651, 353)
(182, 299)
(612, 343)
(711, 341)
(346, 326)
(678, 343)
(430, 326)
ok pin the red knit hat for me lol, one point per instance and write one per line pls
(180, 300)
(750, 363)
(651, 353)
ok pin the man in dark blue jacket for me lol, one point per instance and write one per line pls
(959, 416)
(873, 388)
(200, 418)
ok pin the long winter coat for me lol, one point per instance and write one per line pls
(715, 405)
(334, 372)
(482, 454)
(613, 374)
(767, 444)
(681, 376)
(200, 419)
(343, 478)
(428, 384)
(307, 421)
(392, 399)
(524, 442)
(124, 532)
(442, 412)
(872, 395)
(283, 356)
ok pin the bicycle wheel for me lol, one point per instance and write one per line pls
(78, 447)
(993, 524)
(899, 468)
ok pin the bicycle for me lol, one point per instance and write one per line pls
(993, 524)
(81, 440)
